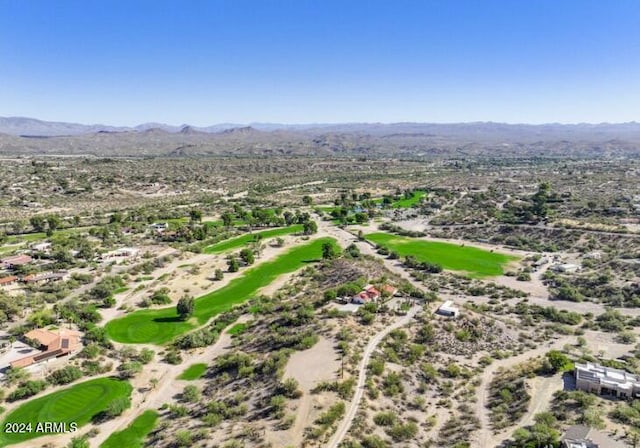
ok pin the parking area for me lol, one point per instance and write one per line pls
(10, 353)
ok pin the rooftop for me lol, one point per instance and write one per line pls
(606, 375)
(16, 260)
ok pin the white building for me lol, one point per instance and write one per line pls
(42, 247)
(159, 226)
(447, 309)
(602, 380)
(120, 254)
(540, 262)
(566, 268)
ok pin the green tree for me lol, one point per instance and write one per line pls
(328, 251)
(53, 222)
(117, 406)
(185, 307)
(227, 219)
(233, 264)
(558, 361)
(540, 198)
(307, 200)
(38, 223)
(247, 256)
(195, 215)
(309, 227)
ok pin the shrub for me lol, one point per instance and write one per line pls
(27, 389)
(385, 418)
(117, 406)
(65, 375)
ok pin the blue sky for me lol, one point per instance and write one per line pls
(304, 61)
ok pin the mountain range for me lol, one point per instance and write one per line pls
(29, 136)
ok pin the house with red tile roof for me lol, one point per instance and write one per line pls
(54, 344)
(368, 294)
(8, 281)
(15, 261)
(389, 290)
(44, 277)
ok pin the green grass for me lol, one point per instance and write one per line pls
(9, 248)
(235, 243)
(193, 372)
(37, 236)
(474, 261)
(159, 326)
(133, 436)
(30, 237)
(120, 290)
(237, 329)
(78, 403)
(407, 203)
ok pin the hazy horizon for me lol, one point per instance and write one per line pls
(182, 124)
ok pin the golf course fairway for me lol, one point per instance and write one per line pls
(159, 326)
(134, 434)
(473, 261)
(75, 404)
(238, 242)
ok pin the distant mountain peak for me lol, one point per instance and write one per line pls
(187, 129)
(241, 130)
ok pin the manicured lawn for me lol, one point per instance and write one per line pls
(238, 242)
(193, 372)
(27, 237)
(9, 248)
(31, 237)
(162, 325)
(474, 261)
(408, 202)
(78, 403)
(133, 436)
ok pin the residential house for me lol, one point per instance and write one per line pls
(15, 261)
(119, 254)
(8, 281)
(580, 436)
(602, 380)
(595, 255)
(45, 277)
(54, 344)
(368, 294)
(44, 247)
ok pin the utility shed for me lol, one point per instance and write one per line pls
(567, 268)
(448, 309)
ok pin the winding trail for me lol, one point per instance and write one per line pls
(485, 437)
(353, 405)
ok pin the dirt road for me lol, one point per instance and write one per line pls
(352, 406)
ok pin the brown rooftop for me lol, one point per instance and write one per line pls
(16, 260)
(58, 343)
(9, 279)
